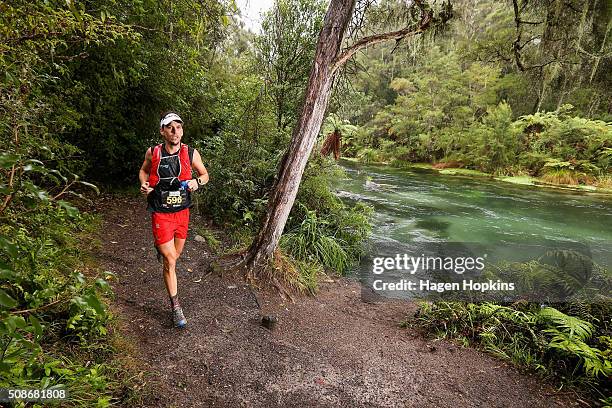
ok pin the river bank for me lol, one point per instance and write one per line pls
(517, 180)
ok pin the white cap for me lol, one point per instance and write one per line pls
(169, 118)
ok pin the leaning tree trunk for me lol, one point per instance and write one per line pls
(304, 134)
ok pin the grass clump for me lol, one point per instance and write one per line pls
(604, 182)
(561, 176)
(310, 242)
(302, 276)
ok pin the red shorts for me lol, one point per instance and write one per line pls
(167, 226)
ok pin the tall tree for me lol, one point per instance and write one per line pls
(286, 48)
(329, 58)
(563, 48)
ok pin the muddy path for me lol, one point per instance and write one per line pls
(332, 350)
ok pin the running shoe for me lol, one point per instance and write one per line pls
(179, 317)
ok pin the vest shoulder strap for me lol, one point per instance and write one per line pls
(190, 150)
(156, 150)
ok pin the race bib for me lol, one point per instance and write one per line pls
(173, 199)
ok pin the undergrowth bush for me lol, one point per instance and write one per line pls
(568, 337)
(54, 322)
(321, 228)
(541, 338)
(53, 318)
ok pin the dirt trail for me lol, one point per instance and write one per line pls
(328, 350)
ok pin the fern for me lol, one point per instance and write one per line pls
(593, 360)
(544, 339)
(569, 335)
(570, 325)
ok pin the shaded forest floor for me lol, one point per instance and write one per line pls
(328, 350)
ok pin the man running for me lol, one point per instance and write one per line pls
(165, 178)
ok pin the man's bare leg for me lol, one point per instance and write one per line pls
(179, 244)
(169, 252)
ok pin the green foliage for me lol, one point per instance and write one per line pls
(563, 138)
(286, 50)
(335, 130)
(569, 325)
(368, 155)
(45, 42)
(567, 337)
(50, 302)
(109, 71)
(321, 228)
(560, 148)
(487, 95)
(243, 155)
(494, 144)
(310, 242)
(570, 335)
(543, 339)
(334, 123)
(559, 53)
(557, 276)
(435, 106)
(49, 306)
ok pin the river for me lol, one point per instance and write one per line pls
(413, 208)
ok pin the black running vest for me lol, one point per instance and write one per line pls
(167, 196)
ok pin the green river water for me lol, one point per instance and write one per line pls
(413, 208)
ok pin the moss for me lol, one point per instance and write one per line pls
(522, 180)
(422, 165)
(464, 172)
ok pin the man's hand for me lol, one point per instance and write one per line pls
(193, 185)
(145, 189)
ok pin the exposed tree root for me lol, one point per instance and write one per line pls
(278, 272)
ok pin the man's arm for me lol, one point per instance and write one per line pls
(198, 166)
(143, 174)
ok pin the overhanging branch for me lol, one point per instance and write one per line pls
(345, 55)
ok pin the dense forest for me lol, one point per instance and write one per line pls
(510, 88)
(510, 91)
